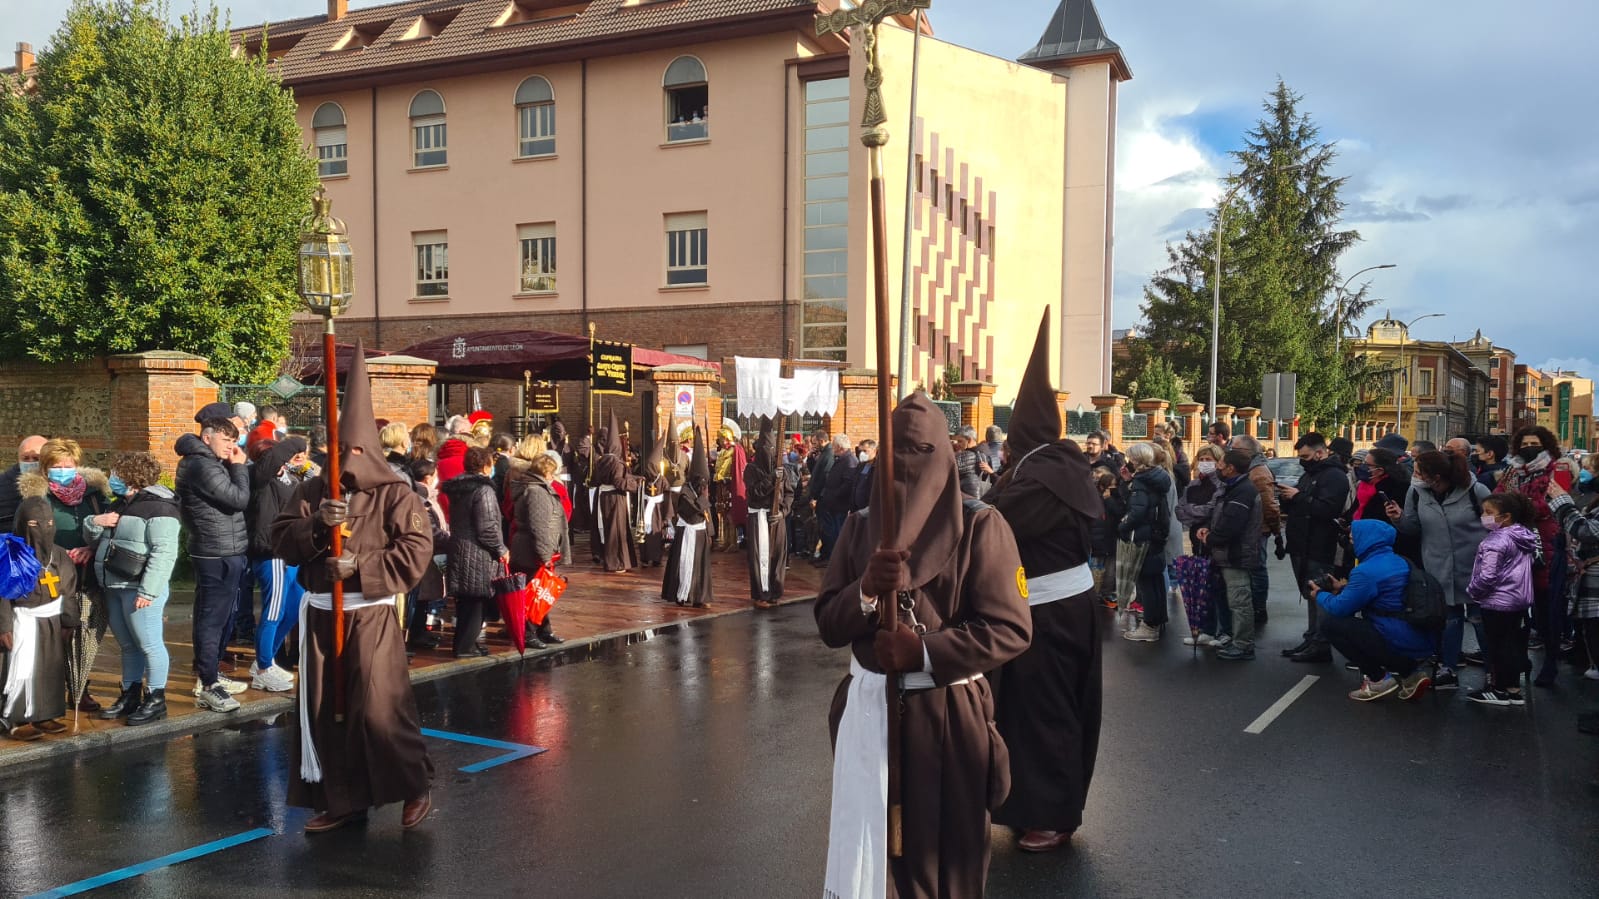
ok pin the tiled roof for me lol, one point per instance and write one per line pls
(471, 33)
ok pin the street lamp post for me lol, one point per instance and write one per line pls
(1215, 311)
(1338, 336)
(1399, 376)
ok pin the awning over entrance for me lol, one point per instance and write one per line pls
(506, 355)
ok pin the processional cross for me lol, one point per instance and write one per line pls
(865, 19)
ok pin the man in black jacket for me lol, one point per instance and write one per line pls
(1233, 540)
(213, 492)
(834, 506)
(10, 496)
(1313, 509)
(274, 478)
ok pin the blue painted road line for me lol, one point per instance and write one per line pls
(514, 750)
(155, 864)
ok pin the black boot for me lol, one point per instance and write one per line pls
(154, 708)
(126, 703)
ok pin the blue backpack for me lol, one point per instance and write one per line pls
(19, 568)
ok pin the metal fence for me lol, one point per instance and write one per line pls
(301, 403)
(1002, 417)
(952, 414)
(1079, 424)
(1135, 427)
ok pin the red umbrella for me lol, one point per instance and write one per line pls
(511, 593)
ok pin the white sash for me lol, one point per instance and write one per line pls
(20, 686)
(650, 505)
(310, 765)
(1046, 588)
(599, 507)
(857, 834)
(763, 554)
(687, 534)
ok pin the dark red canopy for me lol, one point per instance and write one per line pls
(505, 355)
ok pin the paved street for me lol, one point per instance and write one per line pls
(695, 763)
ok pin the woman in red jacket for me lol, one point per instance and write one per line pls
(1535, 461)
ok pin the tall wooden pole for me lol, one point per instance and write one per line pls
(330, 381)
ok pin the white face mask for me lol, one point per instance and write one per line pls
(1207, 467)
(863, 457)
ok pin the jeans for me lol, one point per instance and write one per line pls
(216, 592)
(1259, 583)
(139, 634)
(280, 607)
(1240, 601)
(1506, 647)
(1361, 643)
(1218, 617)
(1306, 570)
(1454, 634)
(832, 524)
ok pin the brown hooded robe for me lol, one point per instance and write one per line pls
(1048, 699)
(58, 580)
(770, 496)
(614, 483)
(376, 755)
(686, 561)
(657, 504)
(964, 569)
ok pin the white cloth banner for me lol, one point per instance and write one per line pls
(20, 686)
(762, 392)
(857, 835)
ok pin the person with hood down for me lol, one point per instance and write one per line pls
(213, 487)
(1388, 649)
(274, 477)
(1048, 700)
(376, 755)
(1501, 583)
(33, 661)
(687, 579)
(1145, 529)
(477, 548)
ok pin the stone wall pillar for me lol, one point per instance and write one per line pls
(700, 381)
(1063, 402)
(977, 405)
(1249, 422)
(857, 405)
(1156, 410)
(154, 397)
(400, 388)
(1109, 406)
(1192, 428)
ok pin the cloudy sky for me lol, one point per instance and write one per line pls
(1467, 130)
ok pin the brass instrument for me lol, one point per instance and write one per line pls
(640, 510)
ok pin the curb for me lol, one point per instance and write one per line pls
(39, 753)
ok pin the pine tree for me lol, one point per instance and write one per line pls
(151, 192)
(1281, 246)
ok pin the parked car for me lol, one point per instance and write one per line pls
(1287, 471)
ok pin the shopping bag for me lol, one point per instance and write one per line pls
(543, 592)
(19, 567)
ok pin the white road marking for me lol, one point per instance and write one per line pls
(1260, 724)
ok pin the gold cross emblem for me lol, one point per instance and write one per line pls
(50, 579)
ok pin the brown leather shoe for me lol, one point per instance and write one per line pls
(1043, 840)
(325, 822)
(51, 727)
(25, 733)
(88, 704)
(415, 811)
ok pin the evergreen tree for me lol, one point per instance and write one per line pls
(1281, 246)
(152, 188)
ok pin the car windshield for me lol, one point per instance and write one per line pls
(1286, 471)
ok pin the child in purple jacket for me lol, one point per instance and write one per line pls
(1501, 582)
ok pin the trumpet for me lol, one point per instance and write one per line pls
(641, 509)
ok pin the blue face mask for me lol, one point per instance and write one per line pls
(119, 487)
(1585, 479)
(28, 467)
(62, 476)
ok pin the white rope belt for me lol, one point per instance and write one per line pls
(1046, 588)
(651, 503)
(763, 553)
(687, 534)
(310, 765)
(20, 682)
(599, 508)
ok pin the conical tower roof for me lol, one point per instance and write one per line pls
(1075, 32)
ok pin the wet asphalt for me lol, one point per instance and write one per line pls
(695, 763)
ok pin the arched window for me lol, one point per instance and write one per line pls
(332, 147)
(535, 117)
(688, 100)
(428, 143)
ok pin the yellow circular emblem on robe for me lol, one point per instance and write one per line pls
(1021, 581)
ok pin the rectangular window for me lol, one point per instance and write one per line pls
(1494, 383)
(332, 150)
(687, 250)
(538, 257)
(692, 350)
(1424, 383)
(688, 113)
(429, 144)
(432, 263)
(537, 126)
(824, 319)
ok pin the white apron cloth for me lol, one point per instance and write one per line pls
(20, 686)
(310, 765)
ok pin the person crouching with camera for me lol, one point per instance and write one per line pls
(1390, 651)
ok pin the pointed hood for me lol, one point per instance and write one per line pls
(657, 455)
(613, 439)
(699, 472)
(358, 429)
(765, 457)
(1035, 418)
(558, 435)
(927, 491)
(673, 453)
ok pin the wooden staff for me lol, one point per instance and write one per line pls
(330, 381)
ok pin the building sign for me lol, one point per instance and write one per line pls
(685, 402)
(611, 368)
(543, 399)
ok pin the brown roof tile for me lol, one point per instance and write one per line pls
(471, 35)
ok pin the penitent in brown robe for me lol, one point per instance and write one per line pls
(376, 755)
(612, 524)
(965, 569)
(58, 580)
(766, 529)
(687, 577)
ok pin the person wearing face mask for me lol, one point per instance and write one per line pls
(1579, 522)
(279, 469)
(27, 463)
(1489, 456)
(1312, 509)
(135, 549)
(213, 487)
(1444, 511)
(1194, 512)
(75, 493)
(33, 629)
(861, 495)
(1501, 583)
(1534, 465)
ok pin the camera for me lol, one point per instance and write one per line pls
(1325, 582)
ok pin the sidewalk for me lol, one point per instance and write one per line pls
(597, 607)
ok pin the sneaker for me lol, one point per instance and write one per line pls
(1445, 679)
(1143, 633)
(216, 699)
(1372, 690)
(1591, 674)
(1136, 607)
(1221, 640)
(1232, 653)
(233, 687)
(272, 680)
(1490, 696)
(1202, 640)
(1474, 658)
(1415, 684)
